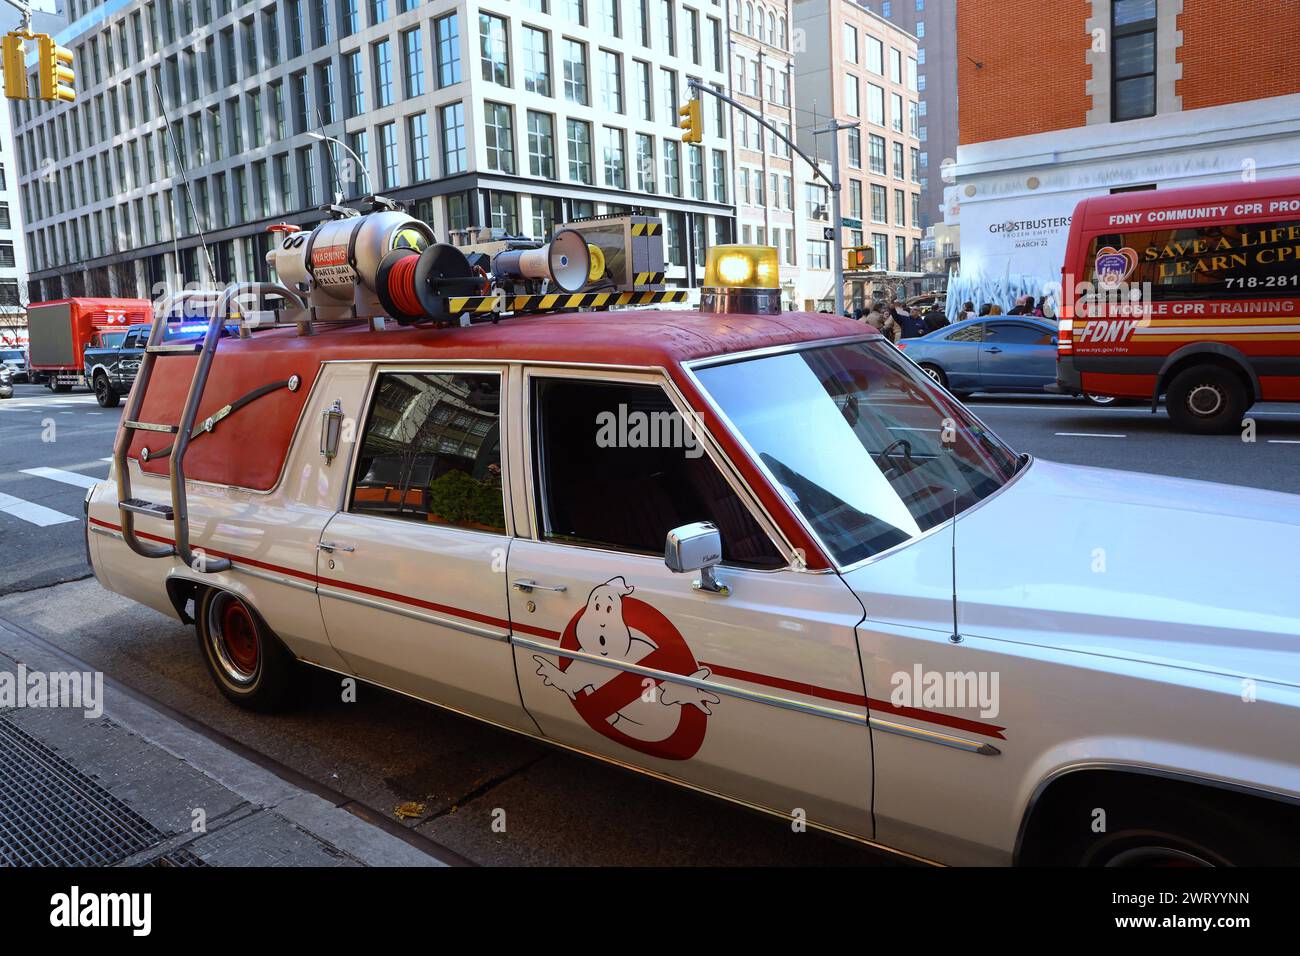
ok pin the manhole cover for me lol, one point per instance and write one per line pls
(52, 814)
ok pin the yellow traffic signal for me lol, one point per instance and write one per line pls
(55, 72)
(15, 66)
(691, 121)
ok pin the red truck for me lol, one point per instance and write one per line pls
(1192, 294)
(60, 331)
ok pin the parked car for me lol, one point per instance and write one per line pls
(844, 600)
(16, 361)
(111, 362)
(1001, 353)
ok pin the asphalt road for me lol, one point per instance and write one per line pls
(385, 750)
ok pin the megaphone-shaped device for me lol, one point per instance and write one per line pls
(565, 261)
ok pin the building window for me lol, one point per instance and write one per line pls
(504, 211)
(899, 171)
(672, 167)
(695, 169)
(575, 72)
(880, 245)
(875, 56)
(494, 49)
(452, 122)
(447, 31)
(879, 204)
(615, 158)
(1133, 59)
(719, 176)
(353, 72)
(383, 60)
(645, 163)
(499, 137)
(389, 169)
(644, 91)
(417, 136)
(875, 104)
(818, 254)
(580, 151)
(611, 94)
(413, 62)
(854, 140)
(546, 213)
(537, 61)
(541, 145)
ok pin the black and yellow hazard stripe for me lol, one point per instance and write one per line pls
(646, 228)
(482, 304)
(648, 278)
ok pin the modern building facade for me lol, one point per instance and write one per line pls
(858, 68)
(199, 121)
(934, 24)
(1141, 94)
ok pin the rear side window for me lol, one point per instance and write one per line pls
(969, 333)
(1226, 260)
(431, 451)
(620, 468)
(1013, 333)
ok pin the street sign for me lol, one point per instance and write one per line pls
(828, 233)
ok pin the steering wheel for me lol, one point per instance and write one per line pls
(887, 455)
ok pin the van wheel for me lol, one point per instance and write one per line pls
(1207, 400)
(247, 661)
(105, 394)
(1100, 401)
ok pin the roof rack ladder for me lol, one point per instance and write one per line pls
(178, 512)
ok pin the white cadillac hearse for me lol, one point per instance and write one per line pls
(760, 555)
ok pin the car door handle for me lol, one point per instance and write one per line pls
(331, 547)
(527, 584)
(995, 350)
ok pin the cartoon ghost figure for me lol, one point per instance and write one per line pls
(602, 632)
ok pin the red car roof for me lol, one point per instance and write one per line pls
(248, 449)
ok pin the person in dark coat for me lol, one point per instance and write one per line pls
(934, 319)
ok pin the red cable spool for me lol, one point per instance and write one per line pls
(395, 285)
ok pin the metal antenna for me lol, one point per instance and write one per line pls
(955, 637)
(332, 152)
(189, 196)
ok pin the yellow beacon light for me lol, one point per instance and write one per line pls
(741, 280)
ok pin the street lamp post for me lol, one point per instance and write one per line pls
(370, 185)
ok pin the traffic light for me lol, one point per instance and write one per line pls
(861, 258)
(55, 72)
(691, 121)
(15, 66)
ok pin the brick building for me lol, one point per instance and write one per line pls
(1083, 97)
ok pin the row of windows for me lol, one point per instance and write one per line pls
(871, 54)
(757, 21)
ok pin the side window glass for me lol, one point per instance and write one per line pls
(620, 468)
(431, 451)
(1013, 333)
(970, 333)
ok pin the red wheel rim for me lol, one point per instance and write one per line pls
(239, 634)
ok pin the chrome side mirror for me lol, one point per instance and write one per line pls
(696, 547)
(331, 430)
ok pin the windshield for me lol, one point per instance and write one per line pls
(866, 447)
(11, 355)
(111, 340)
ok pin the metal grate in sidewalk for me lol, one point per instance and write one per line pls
(52, 814)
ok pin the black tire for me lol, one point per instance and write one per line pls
(1172, 831)
(1207, 400)
(244, 657)
(105, 394)
(935, 373)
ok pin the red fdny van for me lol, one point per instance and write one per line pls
(1192, 294)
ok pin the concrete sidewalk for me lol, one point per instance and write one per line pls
(135, 786)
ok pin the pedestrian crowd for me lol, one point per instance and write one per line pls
(899, 321)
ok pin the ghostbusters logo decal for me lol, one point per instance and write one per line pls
(655, 717)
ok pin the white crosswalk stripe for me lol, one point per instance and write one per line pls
(67, 477)
(31, 512)
(38, 514)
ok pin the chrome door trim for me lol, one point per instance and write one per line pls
(728, 690)
(757, 697)
(422, 616)
(935, 737)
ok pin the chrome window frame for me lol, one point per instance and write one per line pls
(690, 368)
(423, 367)
(535, 503)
